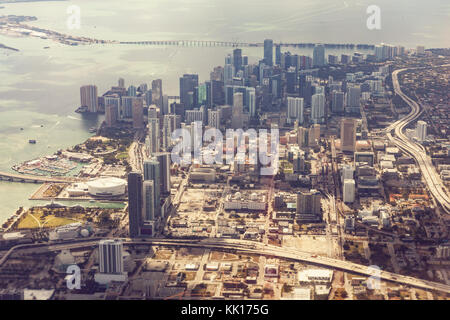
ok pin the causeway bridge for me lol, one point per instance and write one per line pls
(24, 178)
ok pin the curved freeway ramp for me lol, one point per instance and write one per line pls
(431, 177)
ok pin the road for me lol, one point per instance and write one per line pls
(252, 248)
(432, 179)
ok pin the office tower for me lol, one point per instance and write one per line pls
(110, 257)
(291, 80)
(319, 56)
(277, 54)
(353, 99)
(152, 112)
(89, 97)
(153, 142)
(348, 135)
(268, 52)
(111, 115)
(143, 87)
(302, 137)
(187, 87)
(217, 93)
(131, 92)
(299, 163)
(203, 95)
(126, 106)
(420, 50)
(169, 125)
(275, 85)
(237, 60)
(309, 203)
(306, 89)
(318, 108)
(134, 202)
(152, 172)
(347, 172)
(163, 159)
(345, 59)
(349, 191)
(295, 109)
(214, 118)
(121, 83)
(337, 102)
(165, 105)
(332, 59)
(421, 130)
(148, 97)
(229, 70)
(148, 200)
(157, 92)
(251, 101)
(193, 115)
(238, 109)
(138, 114)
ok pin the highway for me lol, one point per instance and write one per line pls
(252, 248)
(432, 179)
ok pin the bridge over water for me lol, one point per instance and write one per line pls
(15, 177)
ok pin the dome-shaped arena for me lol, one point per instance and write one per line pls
(108, 186)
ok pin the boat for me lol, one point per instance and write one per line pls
(32, 141)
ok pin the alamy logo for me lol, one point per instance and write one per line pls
(74, 19)
(261, 146)
(374, 20)
(73, 278)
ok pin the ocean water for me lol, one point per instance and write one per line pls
(41, 86)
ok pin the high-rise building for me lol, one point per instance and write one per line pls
(157, 92)
(348, 135)
(353, 99)
(319, 56)
(111, 115)
(309, 205)
(138, 113)
(134, 203)
(121, 83)
(89, 97)
(110, 257)
(131, 91)
(295, 109)
(251, 101)
(318, 108)
(214, 118)
(152, 171)
(238, 109)
(163, 159)
(188, 83)
(268, 52)
(291, 80)
(278, 55)
(421, 130)
(349, 191)
(148, 213)
(237, 59)
(337, 102)
(153, 142)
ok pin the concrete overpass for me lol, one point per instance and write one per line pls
(251, 248)
(431, 177)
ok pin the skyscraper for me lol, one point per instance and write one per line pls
(268, 52)
(188, 83)
(318, 107)
(163, 159)
(152, 172)
(308, 203)
(295, 109)
(421, 130)
(111, 115)
(148, 200)
(337, 102)
(251, 101)
(214, 118)
(237, 59)
(89, 97)
(353, 99)
(348, 135)
(238, 109)
(110, 257)
(157, 92)
(278, 54)
(153, 142)
(138, 113)
(319, 56)
(134, 202)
